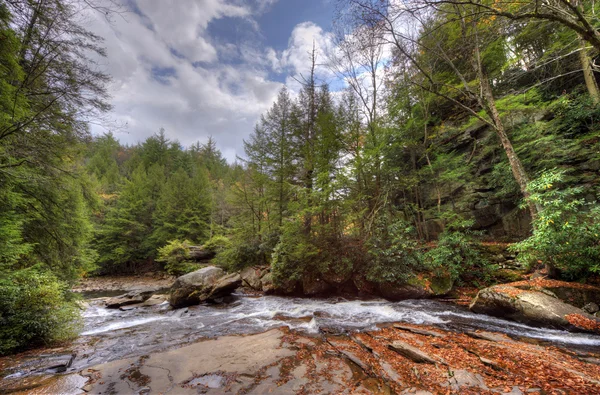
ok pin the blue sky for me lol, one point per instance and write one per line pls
(206, 67)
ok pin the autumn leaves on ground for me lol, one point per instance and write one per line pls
(398, 359)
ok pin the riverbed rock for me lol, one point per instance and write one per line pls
(156, 300)
(133, 297)
(410, 352)
(202, 285)
(533, 307)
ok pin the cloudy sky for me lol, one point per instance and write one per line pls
(206, 67)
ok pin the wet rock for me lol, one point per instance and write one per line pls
(53, 363)
(156, 300)
(131, 307)
(415, 391)
(410, 352)
(489, 336)
(202, 285)
(133, 297)
(395, 291)
(251, 278)
(533, 307)
(591, 308)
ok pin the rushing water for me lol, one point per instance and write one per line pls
(111, 334)
(114, 334)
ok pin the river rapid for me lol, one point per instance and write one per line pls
(111, 334)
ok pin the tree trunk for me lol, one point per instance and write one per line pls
(516, 166)
(588, 73)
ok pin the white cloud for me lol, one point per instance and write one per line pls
(169, 72)
(297, 57)
(158, 82)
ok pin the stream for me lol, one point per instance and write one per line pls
(112, 334)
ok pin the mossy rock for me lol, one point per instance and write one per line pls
(441, 285)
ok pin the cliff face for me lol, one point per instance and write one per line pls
(478, 183)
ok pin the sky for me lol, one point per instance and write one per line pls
(201, 68)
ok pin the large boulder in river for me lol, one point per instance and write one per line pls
(575, 294)
(251, 277)
(533, 307)
(202, 285)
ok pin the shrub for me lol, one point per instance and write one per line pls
(393, 251)
(175, 255)
(456, 253)
(246, 250)
(35, 309)
(294, 255)
(566, 232)
(217, 244)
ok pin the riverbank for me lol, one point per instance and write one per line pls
(146, 281)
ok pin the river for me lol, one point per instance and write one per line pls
(114, 334)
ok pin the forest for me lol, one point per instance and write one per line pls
(461, 124)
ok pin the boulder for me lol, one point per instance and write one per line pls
(225, 286)
(202, 285)
(251, 278)
(533, 307)
(267, 283)
(133, 297)
(575, 294)
(396, 291)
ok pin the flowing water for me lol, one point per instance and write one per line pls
(111, 334)
(117, 334)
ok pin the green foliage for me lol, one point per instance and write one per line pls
(456, 254)
(245, 250)
(176, 257)
(217, 244)
(35, 309)
(393, 252)
(294, 254)
(566, 233)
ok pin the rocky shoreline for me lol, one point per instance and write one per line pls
(398, 358)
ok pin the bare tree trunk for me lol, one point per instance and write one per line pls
(588, 73)
(516, 166)
(489, 103)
